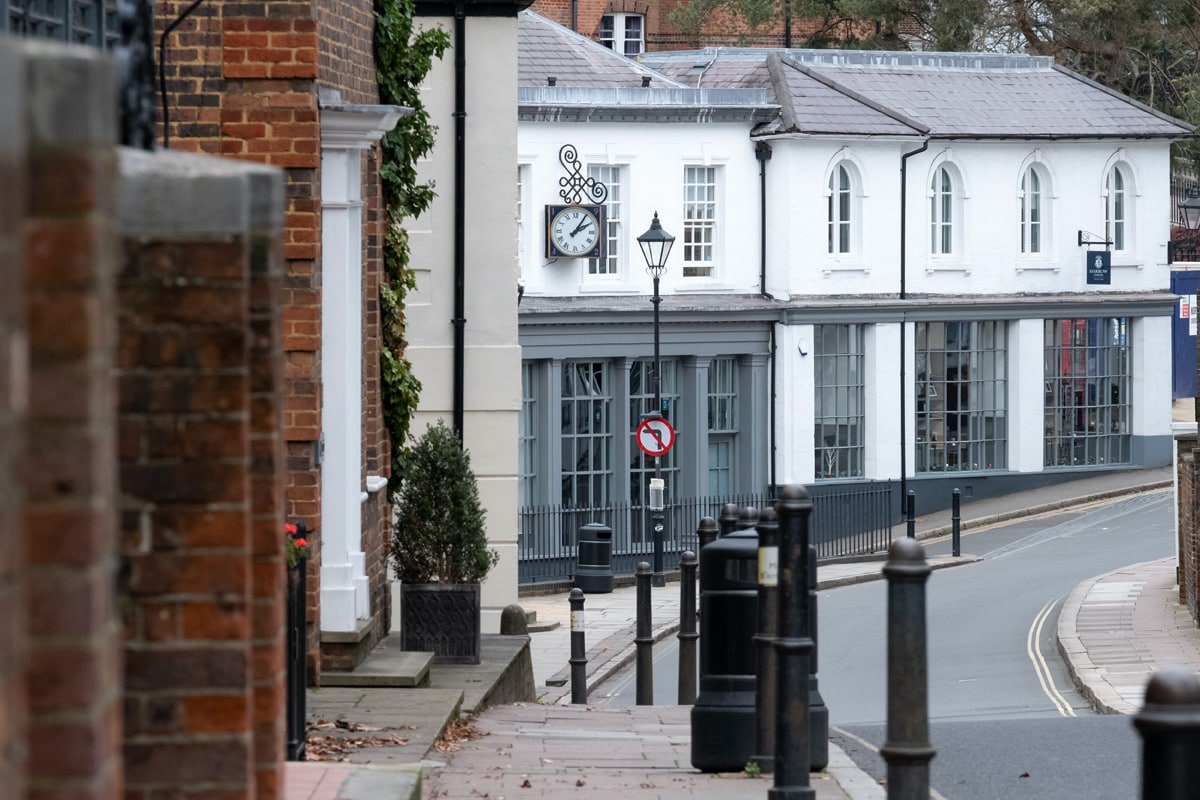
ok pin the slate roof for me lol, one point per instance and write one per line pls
(548, 50)
(950, 95)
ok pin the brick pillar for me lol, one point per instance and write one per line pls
(14, 381)
(200, 476)
(70, 511)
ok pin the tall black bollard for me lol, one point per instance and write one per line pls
(578, 659)
(687, 628)
(644, 639)
(1169, 723)
(767, 681)
(728, 518)
(906, 747)
(910, 513)
(793, 648)
(818, 713)
(747, 518)
(955, 523)
(723, 716)
(706, 532)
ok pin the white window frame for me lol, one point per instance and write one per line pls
(1119, 207)
(842, 220)
(607, 269)
(700, 239)
(944, 213)
(524, 218)
(617, 37)
(1033, 201)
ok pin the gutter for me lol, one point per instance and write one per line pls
(904, 321)
(762, 152)
(460, 226)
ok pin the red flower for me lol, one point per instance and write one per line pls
(301, 543)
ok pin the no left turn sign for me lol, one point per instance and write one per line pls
(655, 436)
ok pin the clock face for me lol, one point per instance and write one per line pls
(573, 231)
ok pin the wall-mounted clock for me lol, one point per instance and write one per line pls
(574, 231)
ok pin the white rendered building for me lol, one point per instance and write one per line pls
(877, 274)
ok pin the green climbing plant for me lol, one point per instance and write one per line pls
(403, 57)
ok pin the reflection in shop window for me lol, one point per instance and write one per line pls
(838, 417)
(1087, 409)
(961, 396)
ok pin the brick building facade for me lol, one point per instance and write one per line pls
(141, 462)
(249, 85)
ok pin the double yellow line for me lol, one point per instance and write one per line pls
(1033, 648)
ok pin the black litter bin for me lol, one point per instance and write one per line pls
(593, 567)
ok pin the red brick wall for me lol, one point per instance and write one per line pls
(268, 473)
(14, 381)
(70, 486)
(721, 29)
(1189, 536)
(200, 467)
(244, 85)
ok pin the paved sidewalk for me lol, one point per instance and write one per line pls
(1114, 629)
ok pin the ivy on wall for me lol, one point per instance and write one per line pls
(403, 57)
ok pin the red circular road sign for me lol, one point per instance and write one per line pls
(655, 436)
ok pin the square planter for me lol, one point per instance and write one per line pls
(443, 619)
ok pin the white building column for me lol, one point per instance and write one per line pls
(345, 132)
(1026, 395)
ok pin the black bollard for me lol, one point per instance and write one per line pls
(1169, 723)
(747, 518)
(578, 659)
(687, 627)
(723, 716)
(793, 648)
(910, 513)
(706, 532)
(764, 640)
(644, 638)
(728, 518)
(906, 748)
(818, 713)
(955, 523)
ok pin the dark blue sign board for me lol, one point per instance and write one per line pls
(1099, 266)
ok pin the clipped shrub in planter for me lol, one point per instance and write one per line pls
(440, 550)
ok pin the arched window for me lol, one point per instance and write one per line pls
(1032, 212)
(1116, 208)
(942, 217)
(841, 214)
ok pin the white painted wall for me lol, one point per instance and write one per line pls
(656, 154)
(493, 357)
(988, 262)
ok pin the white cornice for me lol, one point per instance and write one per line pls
(358, 126)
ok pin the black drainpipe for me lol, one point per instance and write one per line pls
(904, 320)
(762, 151)
(460, 156)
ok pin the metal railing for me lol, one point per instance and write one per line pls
(125, 27)
(847, 521)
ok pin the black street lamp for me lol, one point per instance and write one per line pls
(656, 246)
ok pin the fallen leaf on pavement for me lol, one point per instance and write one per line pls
(455, 732)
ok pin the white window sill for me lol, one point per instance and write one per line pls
(1035, 265)
(947, 265)
(845, 266)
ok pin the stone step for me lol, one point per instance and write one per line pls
(387, 665)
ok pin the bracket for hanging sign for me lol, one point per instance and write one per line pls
(1092, 238)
